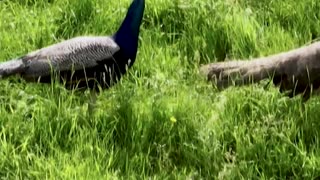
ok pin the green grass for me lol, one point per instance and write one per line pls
(163, 120)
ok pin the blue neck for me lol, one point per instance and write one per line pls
(127, 35)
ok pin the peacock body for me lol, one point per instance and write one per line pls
(85, 61)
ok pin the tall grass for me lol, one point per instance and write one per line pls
(162, 121)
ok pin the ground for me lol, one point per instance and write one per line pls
(163, 120)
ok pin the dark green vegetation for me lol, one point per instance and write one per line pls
(162, 120)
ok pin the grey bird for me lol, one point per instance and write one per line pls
(85, 62)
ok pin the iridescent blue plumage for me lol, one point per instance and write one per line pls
(84, 62)
(127, 35)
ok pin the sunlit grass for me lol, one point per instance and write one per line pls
(162, 120)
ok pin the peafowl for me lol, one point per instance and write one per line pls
(295, 71)
(85, 62)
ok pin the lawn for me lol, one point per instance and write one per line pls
(163, 120)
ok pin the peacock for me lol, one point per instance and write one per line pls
(83, 62)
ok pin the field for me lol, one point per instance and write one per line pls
(163, 120)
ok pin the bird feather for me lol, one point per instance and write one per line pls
(75, 53)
